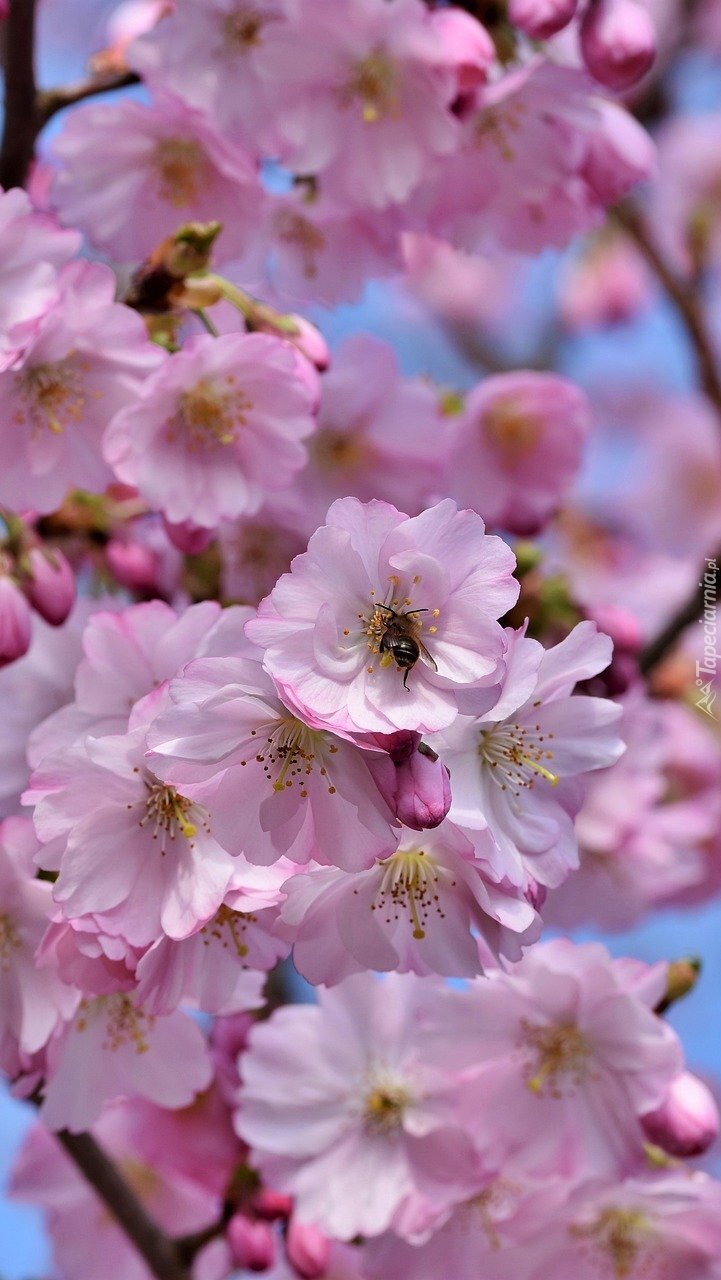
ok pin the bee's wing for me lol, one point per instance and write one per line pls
(431, 661)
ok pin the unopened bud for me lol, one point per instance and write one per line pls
(618, 42)
(272, 1204)
(251, 1243)
(15, 627)
(133, 565)
(469, 45)
(423, 795)
(541, 19)
(189, 538)
(687, 1122)
(51, 584)
(681, 978)
(308, 1249)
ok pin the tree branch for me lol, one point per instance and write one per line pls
(683, 296)
(54, 100)
(21, 118)
(160, 1253)
(689, 612)
(686, 301)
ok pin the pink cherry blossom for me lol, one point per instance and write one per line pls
(517, 447)
(325, 623)
(127, 657)
(371, 1103)
(113, 1048)
(276, 785)
(315, 248)
(33, 250)
(566, 1056)
(540, 160)
(222, 967)
(131, 851)
(647, 821)
(518, 770)
(378, 436)
(87, 359)
(132, 173)
(665, 1228)
(32, 1003)
(413, 912)
(362, 95)
(218, 429)
(255, 551)
(207, 54)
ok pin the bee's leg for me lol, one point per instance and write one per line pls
(405, 679)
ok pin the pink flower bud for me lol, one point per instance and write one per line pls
(618, 42)
(423, 795)
(468, 45)
(251, 1243)
(51, 587)
(310, 342)
(272, 1204)
(189, 538)
(135, 566)
(687, 1122)
(15, 628)
(308, 1249)
(623, 628)
(541, 19)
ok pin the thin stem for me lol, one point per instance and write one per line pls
(161, 1255)
(21, 117)
(54, 100)
(690, 612)
(206, 322)
(683, 296)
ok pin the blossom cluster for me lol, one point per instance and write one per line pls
(323, 680)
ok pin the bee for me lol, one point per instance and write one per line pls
(400, 642)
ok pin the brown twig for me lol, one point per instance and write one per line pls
(681, 293)
(684, 297)
(690, 612)
(54, 100)
(21, 118)
(161, 1254)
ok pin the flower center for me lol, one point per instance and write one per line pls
(209, 415)
(374, 83)
(227, 927)
(124, 1023)
(9, 941)
(512, 433)
(171, 814)
(393, 628)
(292, 228)
(410, 884)
(498, 127)
(560, 1050)
(181, 165)
(242, 29)
(515, 755)
(340, 450)
(621, 1235)
(385, 1103)
(52, 395)
(290, 753)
